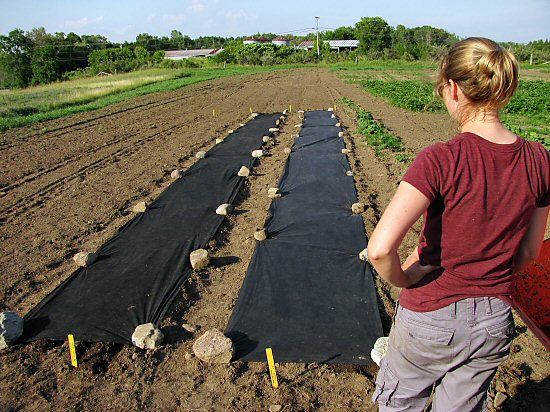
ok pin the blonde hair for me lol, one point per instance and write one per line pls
(486, 73)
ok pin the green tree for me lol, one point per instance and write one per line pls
(374, 35)
(15, 59)
(45, 65)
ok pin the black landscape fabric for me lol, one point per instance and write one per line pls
(306, 294)
(141, 269)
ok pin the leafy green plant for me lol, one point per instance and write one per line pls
(376, 135)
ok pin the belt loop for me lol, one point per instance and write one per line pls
(488, 309)
(453, 310)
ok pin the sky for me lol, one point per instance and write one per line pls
(122, 20)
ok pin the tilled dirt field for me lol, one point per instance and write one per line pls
(66, 185)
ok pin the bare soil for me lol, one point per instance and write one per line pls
(66, 185)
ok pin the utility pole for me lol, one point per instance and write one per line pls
(318, 52)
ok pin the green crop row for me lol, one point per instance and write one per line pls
(527, 114)
(376, 135)
(407, 94)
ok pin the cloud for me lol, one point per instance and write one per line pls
(81, 23)
(173, 18)
(197, 6)
(239, 15)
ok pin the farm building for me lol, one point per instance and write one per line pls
(186, 54)
(281, 41)
(338, 45)
(255, 40)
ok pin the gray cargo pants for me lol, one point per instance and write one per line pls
(458, 348)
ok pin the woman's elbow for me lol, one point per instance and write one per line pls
(377, 252)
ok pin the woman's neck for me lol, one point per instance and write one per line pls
(488, 126)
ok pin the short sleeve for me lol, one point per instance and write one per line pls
(544, 200)
(425, 172)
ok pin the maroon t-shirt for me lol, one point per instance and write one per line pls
(482, 197)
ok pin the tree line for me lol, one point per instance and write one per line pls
(38, 57)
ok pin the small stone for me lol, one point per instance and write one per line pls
(349, 173)
(333, 116)
(337, 125)
(147, 336)
(176, 174)
(273, 129)
(188, 356)
(84, 259)
(267, 139)
(253, 115)
(242, 125)
(380, 349)
(330, 109)
(201, 154)
(218, 141)
(277, 122)
(358, 207)
(300, 112)
(500, 398)
(275, 408)
(285, 112)
(214, 347)
(230, 131)
(340, 134)
(199, 259)
(189, 328)
(273, 193)
(140, 207)
(134, 356)
(363, 255)
(11, 328)
(243, 171)
(257, 153)
(287, 150)
(224, 209)
(260, 235)
(298, 125)
(346, 151)
(282, 118)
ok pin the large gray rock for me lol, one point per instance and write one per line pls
(224, 209)
(176, 174)
(214, 347)
(358, 207)
(260, 235)
(84, 259)
(11, 328)
(243, 171)
(147, 336)
(199, 259)
(140, 207)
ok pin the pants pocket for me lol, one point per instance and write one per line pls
(425, 343)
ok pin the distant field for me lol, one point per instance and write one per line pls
(34, 104)
(411, 87)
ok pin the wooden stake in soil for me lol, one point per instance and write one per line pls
(213, 112)
(250, 109)
(290, 111)
(73, 351)
(272, 371)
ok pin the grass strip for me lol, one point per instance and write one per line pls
(376, 135)
(11, 119)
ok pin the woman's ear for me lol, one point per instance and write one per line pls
(455, 90)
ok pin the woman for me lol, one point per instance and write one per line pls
(485, 195)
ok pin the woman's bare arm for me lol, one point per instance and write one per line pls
(405, 208)
(531, 243)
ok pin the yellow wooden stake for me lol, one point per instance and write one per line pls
(213, 112)
(250, 109)
(73, 351)
(290, 109)
(272, 371)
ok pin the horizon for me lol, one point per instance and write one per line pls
(123, 21)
